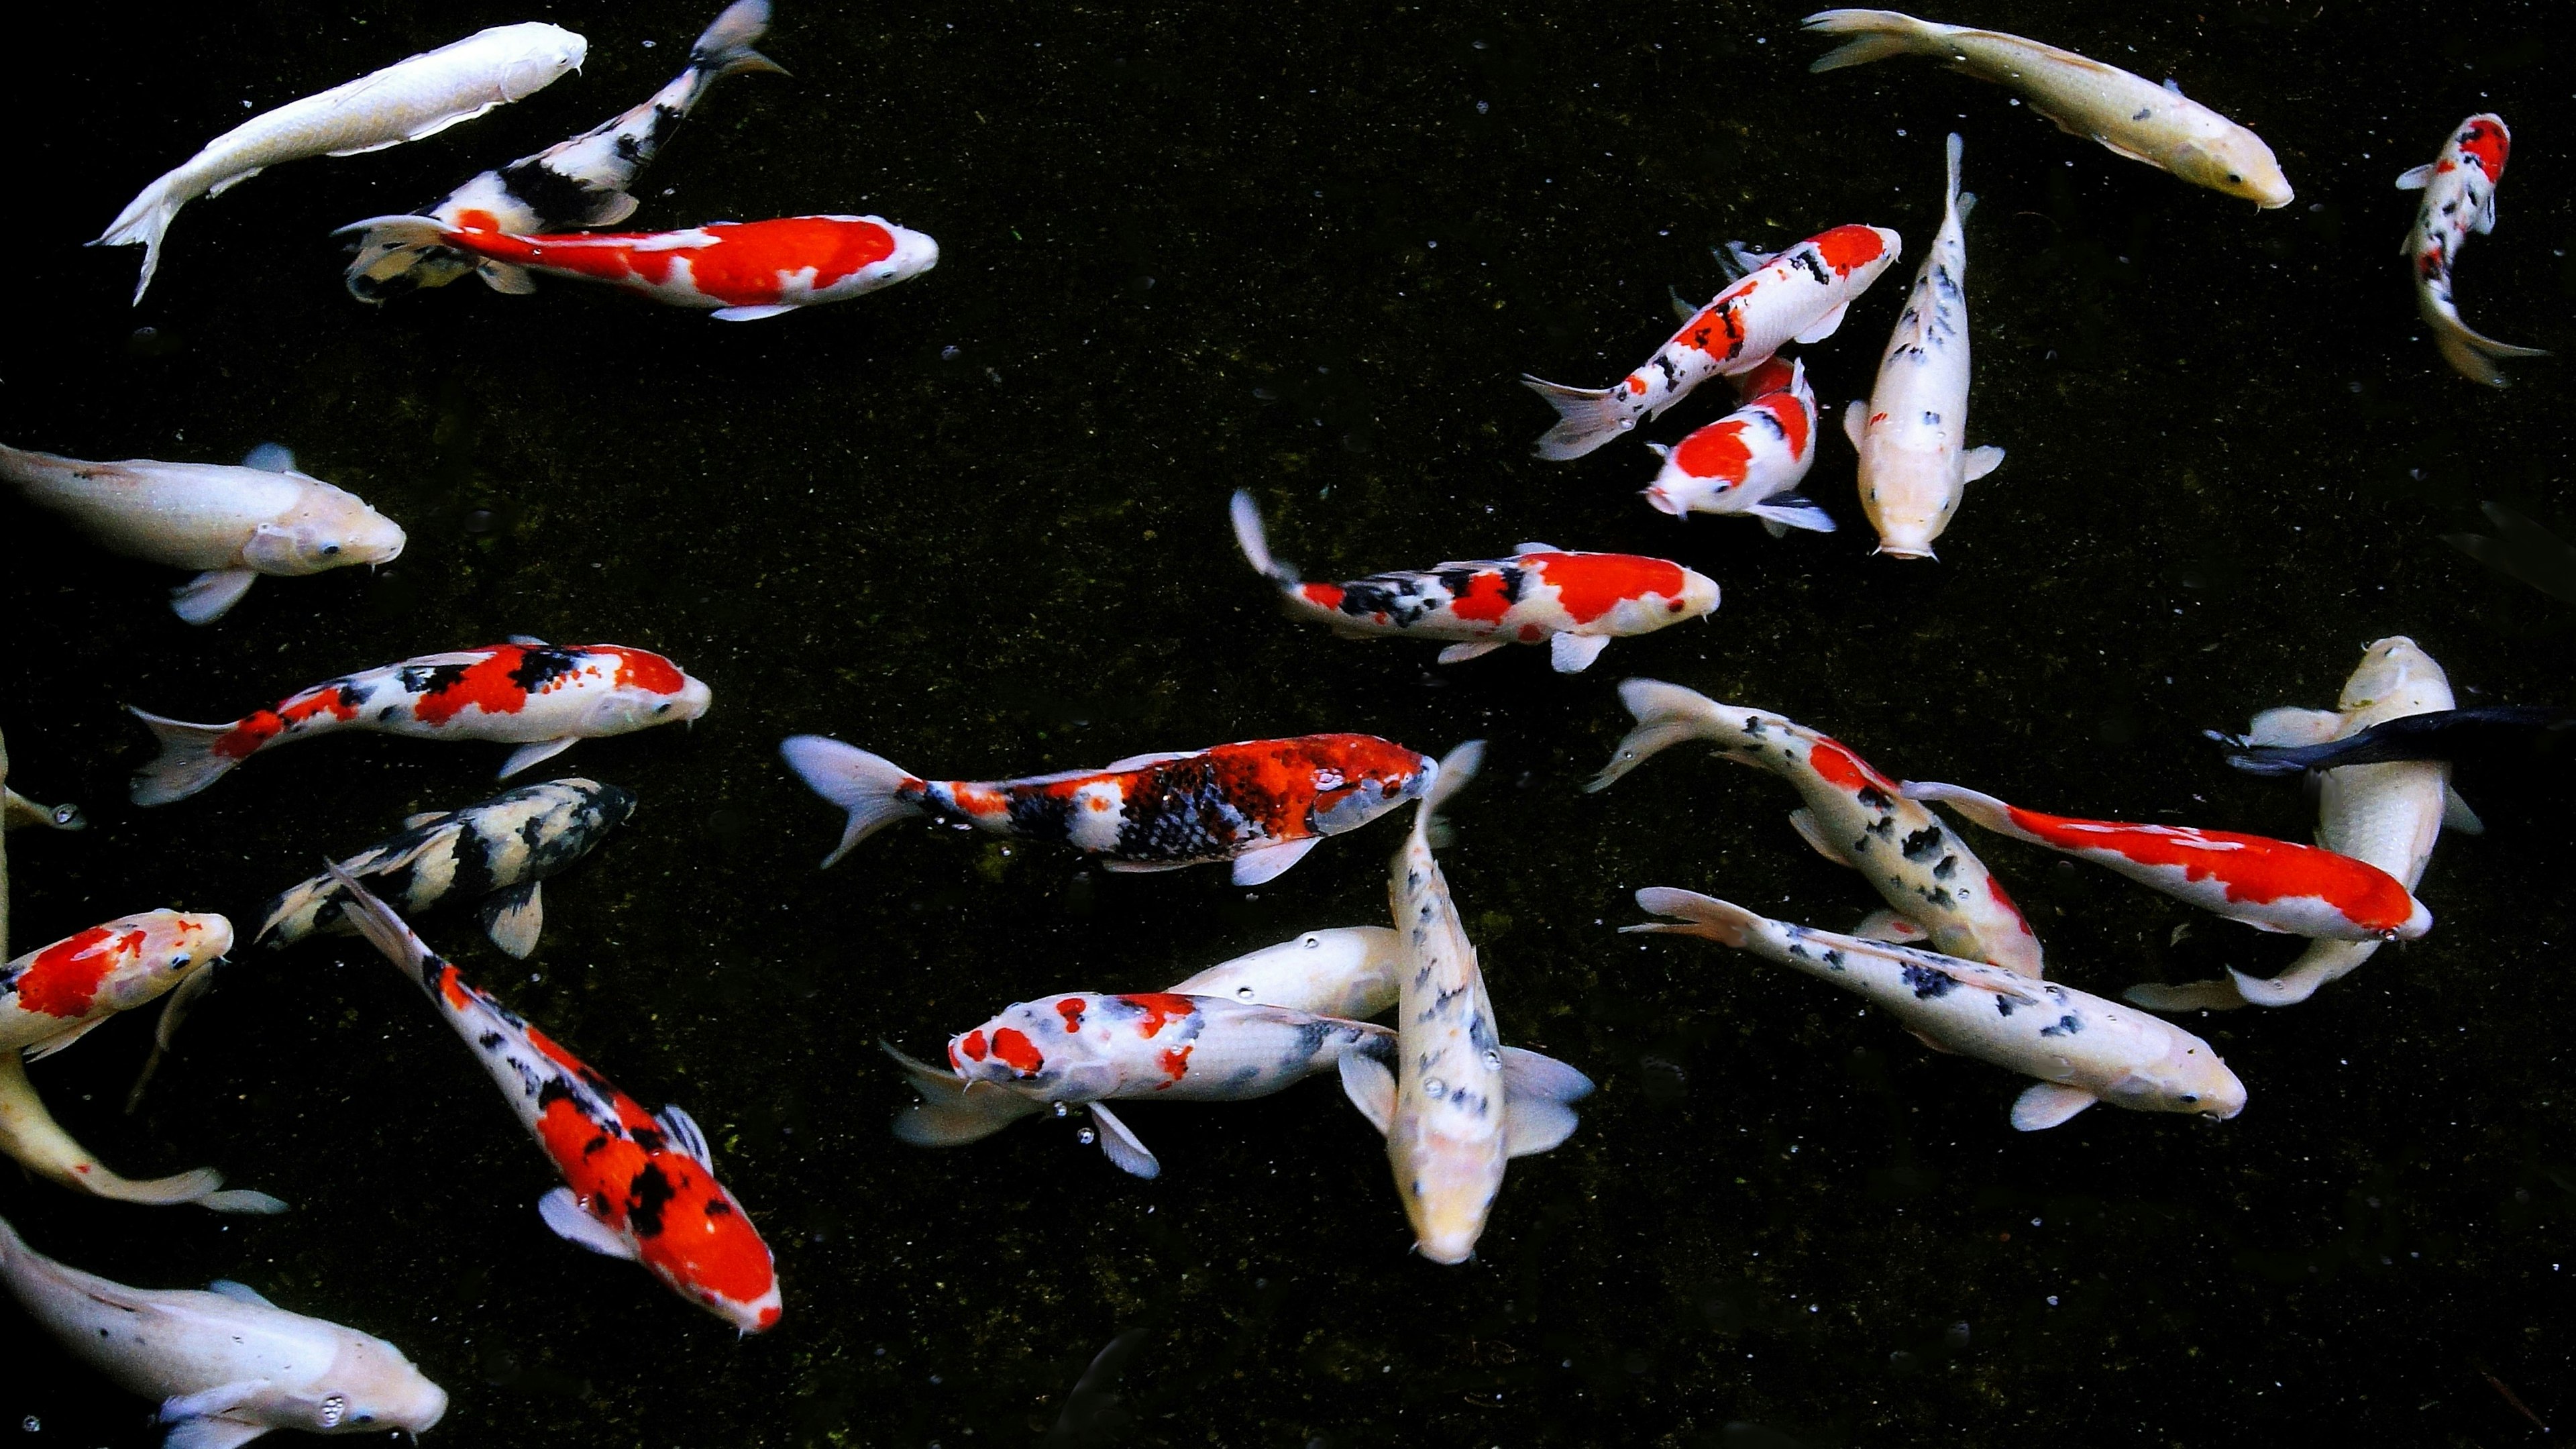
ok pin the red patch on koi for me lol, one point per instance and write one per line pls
(244, 739)
(1175, 1064)
(1845, 770)
(1160, 1008)
(973, 1045)
(1772, 376)
(486, 685)
(1483, 603)
(642, 669)
(64, 978)
(1846, 247)
(1715, 451)
(1324, 596)
(2485, 142)
(738, 263)
(1016, 1051)
(1071, 1010)
(1589, 585)
(1792, 417)
(2254, 868)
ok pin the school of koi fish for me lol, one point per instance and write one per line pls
(1948, 954)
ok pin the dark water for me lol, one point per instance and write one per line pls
(976, 523)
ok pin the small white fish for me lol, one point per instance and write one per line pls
(1349, 971)
(2128, 114)
(2082, 1048)
(2459, 189)
(234, 522)
(1912, 434)
(405, 101)
(226, 1364)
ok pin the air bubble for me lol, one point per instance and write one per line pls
(1086, 1137)
(1493, 1060)
(1061, 1109)
(1434, 1087)
(1243, 993)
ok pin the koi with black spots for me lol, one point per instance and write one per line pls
(2459, 189)
(1750, 461)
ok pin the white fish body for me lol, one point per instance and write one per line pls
(2459, 189)
(405, 101)
(1349, 971)
(2126, 113)
(234, 522)
(2082, 1048)
(1912, 434)
(226, 1365)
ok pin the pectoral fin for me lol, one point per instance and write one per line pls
(563, 1213)
(210, 1433)
(2456, 814)
(270, 458)
(753, 314)
(1823, 327)
(1461, 653)
(221, 1399)
(2290, 725)
(1371, 1088)
(2047, 1104)
(1122, 1145)
(238, 1292)
(1803, 820)
(1145, 867)
(1534, 1124)
(2415, 178)
(1890, 926)
(53, 1044)
(682, 1131)
(1856, 421)
(1271, 861)
(1979, 462)
(1574, 653)
(526, 756)
(208, 596)
(514, 917)
(1926, 1039)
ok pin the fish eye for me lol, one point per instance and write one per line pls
(2234, 180)
(329, 549)
(178, 963)
(2191, 1099)
(663, 708)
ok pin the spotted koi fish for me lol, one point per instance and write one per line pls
(584, 182)
(640, 1186)
(1798, 296)
(541, 697)
(1752, 460)
(2271, 885)
(2082, 1048)
(1853, 816)
(2459, 189)
(1261, 804)
(1349, 971)
(1576, 602)
(744, 270)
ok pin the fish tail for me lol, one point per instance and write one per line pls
(1449, 777)
(383, 929)
(952, 1111)
(1724, 922)
(143, 223)
(2474, 356)
(30, 1134)
(1883, 33)
(386, 268)
(1667, 714)
(1984, 810)
(725, 47)
(2218, 995)
(870, 787)
(1585, 418)
(187, 764)
(1249, 537)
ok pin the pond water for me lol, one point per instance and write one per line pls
(977, 524)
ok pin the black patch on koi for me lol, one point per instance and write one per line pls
(1039, 815)
(557, 199)
(1921, 843)
(540, 667)
(1875, 798)
(428, 679)
(717, 1207)
(1402, 598)
(2004, 1005)
(490, 1040)
(2067, 1025)
(646, 1196)
(1927, 982)
(1806, 260)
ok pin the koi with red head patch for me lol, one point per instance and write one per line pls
(2271, 885)
(1261, 804)
(638, 1185)
(744, 270)
(1799, 295)
(2459, 189)
(1750, 461)
(541, 697)
(1575, 603)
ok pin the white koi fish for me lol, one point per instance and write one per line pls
(2459, 189)
(226, 1364)
(583, 182)
(1750, 461)
(1853, 816)
(2387, 815)
(1912, 434)
(1798, 296)
(2082, 1048)
(2128, 114)
(1459, 1103)
(235, 523)
(1349, 971)
(405, 101)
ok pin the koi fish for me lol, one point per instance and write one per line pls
(745, 270)
(1912, 434)
(235, 523)
(1577, 602)
(541, 697)
(405, 101)
(584, 182)
(2459, 189)
(2129, 114)
(1349, 971)
(1853, 816)
(1798, 296)
(1750, 461)
(17, 812)
(2082, 1048)
(2271, 885)
(640, 1186)
(1458, 1104)
(226, 1365)
(1261, 804)
(2387, 815)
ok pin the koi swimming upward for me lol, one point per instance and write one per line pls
(1750, 461)
(1575, 602)
(2459, 189)
(1261, 804)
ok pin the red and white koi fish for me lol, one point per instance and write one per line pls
(541, 697)
(2459, 189)
(584, 182)
(1752, 460)
(2271, 885)
(2082, 1048)
(1576, 602)
(1798, 296)
(1349, 971)
(1259, 803)
(1853, 816)
(1912, 434)
(745, 270)
(640, 1186)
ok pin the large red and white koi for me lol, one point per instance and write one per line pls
(541, 697)
(1752, 460)
(2459, 189)
(640, 1186)
(1261, 804)
(1853, 816)
(1799, 295)
(2271, 885)
(1575, 603)
(744, 270)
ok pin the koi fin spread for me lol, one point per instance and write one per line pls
(2047, 1104)
(187, 764)
(1122, 1145)
(562, 1213)
(867, 786)
(210, 595)
(1586, 418)
(515, 918)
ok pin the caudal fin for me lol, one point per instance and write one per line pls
(952, 1111)
(383, 929)
(868, 786)
(2472, 355)
(396, 256)
(1584, 419)
(1249, 537)
(1882, 33)
(1667, 714)
(725, 48)
(1456, 768)
(142, 223)
(187, 764)
(1724, 922)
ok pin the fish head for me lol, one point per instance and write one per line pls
(648, 697)
(1357, 778)
(914, 253)
(370, 1388)
(1037, 1048)
(709, 1253)
(1448, 1189)
(2396, 677)
(330, 529)
(1698, 597)
(151, 953)
(2188, 1078)
(609, 805)
(2236, 163)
